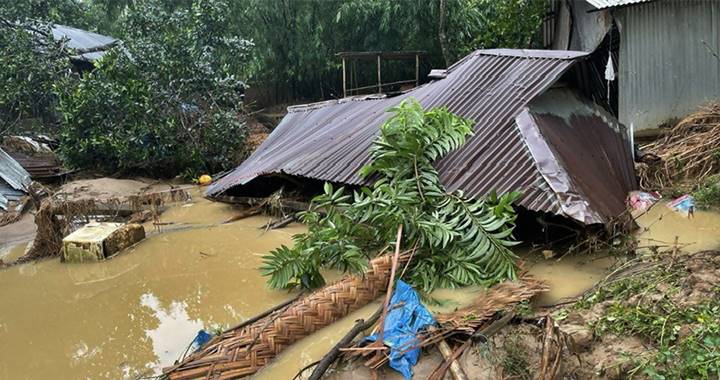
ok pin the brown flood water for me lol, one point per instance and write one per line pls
(660, 226)
(137, 312)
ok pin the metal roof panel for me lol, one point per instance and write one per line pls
(605, 4)
(330, 140)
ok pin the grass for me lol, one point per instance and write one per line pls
(515, 364)
(708, 194)
(694, 354)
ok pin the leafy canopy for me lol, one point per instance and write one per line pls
(164, 101)
(459, 241)
(32, 61)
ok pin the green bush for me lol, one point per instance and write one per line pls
(163, 102)
(708, 194)
(31, 63)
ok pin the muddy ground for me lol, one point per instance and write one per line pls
(601, 343)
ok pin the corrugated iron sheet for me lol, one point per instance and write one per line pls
(666, 73)
(82, 39)
(8, 194)
(39, 166)
(13, 179)
(604, 4)
(582, 152)
(330, 141)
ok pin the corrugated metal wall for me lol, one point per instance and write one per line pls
(667, 67)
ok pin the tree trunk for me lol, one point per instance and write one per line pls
(442, 35)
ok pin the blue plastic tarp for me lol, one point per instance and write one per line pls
(201, 338)
(406, 317)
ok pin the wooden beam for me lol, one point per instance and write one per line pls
(344, 80)
(417, 70)
(379, 79)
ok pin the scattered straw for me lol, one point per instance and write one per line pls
(689, 151)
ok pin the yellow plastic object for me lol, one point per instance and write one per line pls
(204, 180)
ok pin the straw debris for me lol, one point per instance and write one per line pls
(689, 151)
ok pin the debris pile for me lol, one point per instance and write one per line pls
(245, 349)
(36, 155)
(465, 324)
(689, 151)
(59, 216)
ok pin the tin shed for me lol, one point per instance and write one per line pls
(528, 137)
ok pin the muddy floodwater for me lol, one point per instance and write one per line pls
(661, 225)
(136, 313)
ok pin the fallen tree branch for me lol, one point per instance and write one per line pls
(455, 368)
(255, 210)
(380, 341)
(551, 341)
(280, 223)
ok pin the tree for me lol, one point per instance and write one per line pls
(296, 40)
(32, 61)
(165, 101)
(66, 12)
(459, 241)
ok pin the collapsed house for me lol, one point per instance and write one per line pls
(533, 133)
(14, 181)
(665, 55)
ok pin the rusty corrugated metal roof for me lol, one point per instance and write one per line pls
(582, 153)
(330, 140)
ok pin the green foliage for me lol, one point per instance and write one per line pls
(31, 63)
(708, 194)
(696, 355)
(165, 101)
(460, 241)
(484, 24)
(296, 40)
(66, 12)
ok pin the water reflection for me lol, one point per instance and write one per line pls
(174, 329)
(136, 313)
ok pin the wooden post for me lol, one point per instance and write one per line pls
(344, 80)
(379, 80)
(417, 70)
(455, 369)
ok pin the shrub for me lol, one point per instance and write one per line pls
(31, 63)
(708, 194)
(163, 102)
